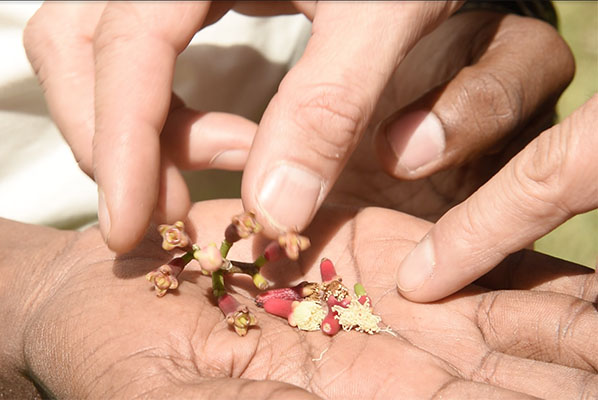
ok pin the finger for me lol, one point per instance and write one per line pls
(324, 103)
(543, 326)
(135, 48)
(535, 378)
(484, 103)
(465, 389)
(531, 270)
(58, 41)
(553, 178)
(174, 200)
(200, 140)
(194, 140)
(227, 388)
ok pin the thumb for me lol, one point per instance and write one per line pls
(552, 179)
(314, 122)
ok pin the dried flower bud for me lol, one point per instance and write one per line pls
(241, 320)
(164, 278)
(246, 224)
(293, 243)
(173, 236)
(209, 257)
(237, 315)
(336, 289)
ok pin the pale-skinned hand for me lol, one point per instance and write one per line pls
(107, 73)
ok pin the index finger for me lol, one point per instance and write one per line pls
(135, 47)
(324, 104)
(552, 179)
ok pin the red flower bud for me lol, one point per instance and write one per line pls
(327, 270)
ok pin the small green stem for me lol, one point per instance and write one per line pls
(218, 283)
(225, 248)
(260, 261)
(188, 256)
(239, 267)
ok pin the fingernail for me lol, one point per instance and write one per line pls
(417, 267)
(103, 215)
(230, 159)
(417, 138)
(288, 196)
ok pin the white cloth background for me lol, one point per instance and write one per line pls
(234, 65)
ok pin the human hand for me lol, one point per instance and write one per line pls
(554, 178)
(135, 175)
(87, 324)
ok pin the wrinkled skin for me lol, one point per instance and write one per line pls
(95, 328)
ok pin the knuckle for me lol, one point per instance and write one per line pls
(498, 99)
(488, 367)
(573, 321)
(330, 119)
(540, 174)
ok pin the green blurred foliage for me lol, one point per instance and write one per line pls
(577, 239)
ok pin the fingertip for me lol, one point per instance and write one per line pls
(103, 215)
(416, 270)
(286, 198)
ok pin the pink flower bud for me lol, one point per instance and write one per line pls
(273, 251)
(209, 257)
(164, 278)
(173, 236)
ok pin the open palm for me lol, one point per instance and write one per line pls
(100, 332)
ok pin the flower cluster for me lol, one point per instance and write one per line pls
(303, 305)
(213, 261)
(327, 306)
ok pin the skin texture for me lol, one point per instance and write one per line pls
(324, 110)
(96, 317)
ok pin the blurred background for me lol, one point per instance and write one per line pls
(577, 239)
